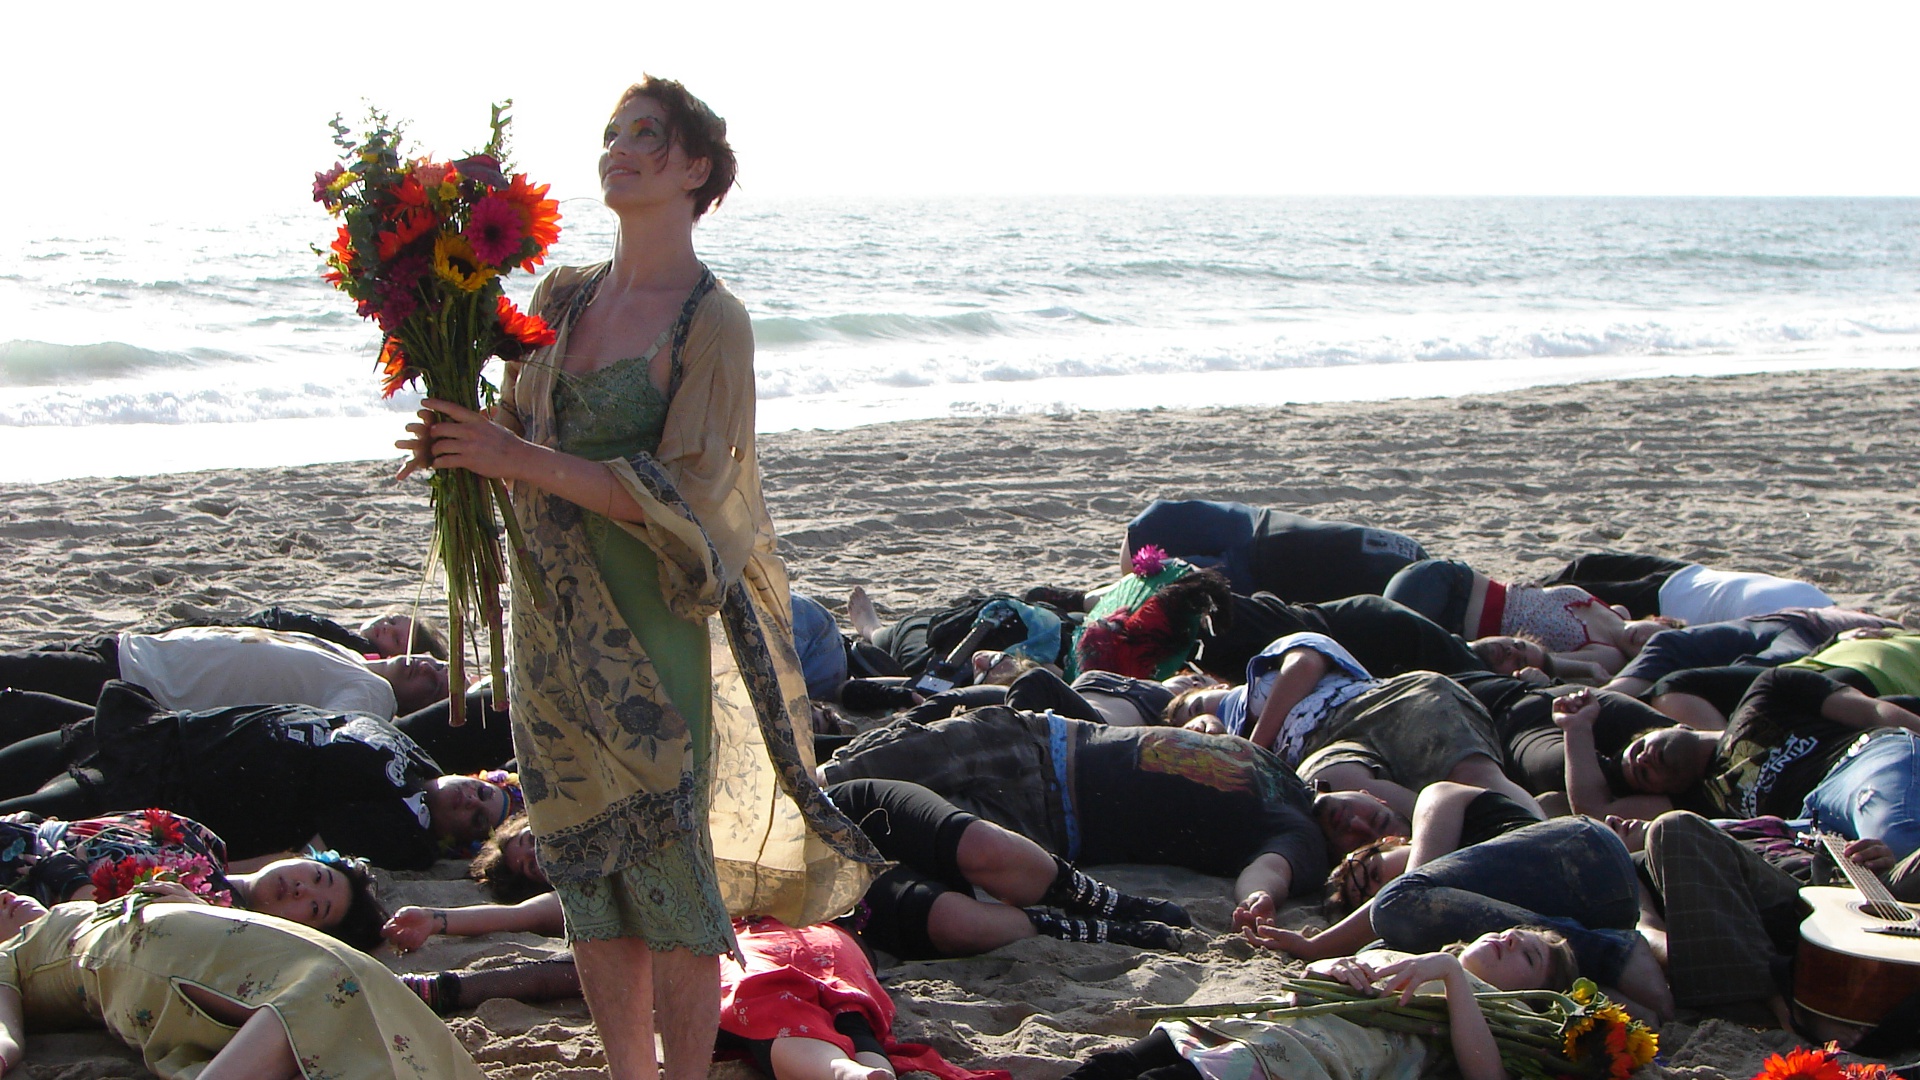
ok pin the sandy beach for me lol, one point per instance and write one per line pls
(1803, 474)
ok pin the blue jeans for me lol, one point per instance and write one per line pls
(1873, 792)
(1436, 588)
(1570, 874)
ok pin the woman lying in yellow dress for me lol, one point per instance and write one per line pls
(213, 993)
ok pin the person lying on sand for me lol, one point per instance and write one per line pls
(1574, 875)
(102, 858)
(922, 908)
(213, 992)
(1096, 794)
(394, 632)
(211, 667)
(1758, 640)
(1569, 621)
(1800, 745)
(1296, 558)
(806, 1005)
(1309, 701)
(1325, 1047)
(1695, 594)
(266, 778)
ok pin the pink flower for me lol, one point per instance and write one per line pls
(323, 182)
(1149, 560)
(496, 229)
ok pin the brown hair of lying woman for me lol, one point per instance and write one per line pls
(1344, 882)
(491, 870)
(1563, 967)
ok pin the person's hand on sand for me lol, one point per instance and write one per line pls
(1256, 910)
(449, 436)
(1291, 942)
(410, 927)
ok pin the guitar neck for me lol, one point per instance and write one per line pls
(1864, 881)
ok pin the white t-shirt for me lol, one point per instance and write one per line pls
(1701, 595)
(213, 667)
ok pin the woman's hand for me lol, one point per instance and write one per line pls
(169, 892)
(1207, 724)
(449, 436)
(1354, 972)
(1291, 942)
(410, 927)
(1407, 975)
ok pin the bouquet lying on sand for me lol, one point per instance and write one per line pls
(421, 248)
(1542, 1035)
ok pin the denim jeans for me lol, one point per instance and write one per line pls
(1873, 792)
(1570, 874)
(1438, 589)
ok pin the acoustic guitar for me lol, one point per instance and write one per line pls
(1859, 950)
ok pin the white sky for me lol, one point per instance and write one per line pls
(186, 109)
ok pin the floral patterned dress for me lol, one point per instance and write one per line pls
(49, 859)
(121, 964)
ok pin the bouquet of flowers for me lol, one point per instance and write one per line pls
(421, 249)
(119, 876)
(1542, 1035)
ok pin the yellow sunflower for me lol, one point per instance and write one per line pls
(455, 262)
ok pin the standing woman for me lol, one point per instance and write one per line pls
(628, 449)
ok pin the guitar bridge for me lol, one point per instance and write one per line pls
(1896, 931)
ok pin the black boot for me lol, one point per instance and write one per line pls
(1143, 935)
(1074, 891)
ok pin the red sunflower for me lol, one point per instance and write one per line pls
(1801, 1063)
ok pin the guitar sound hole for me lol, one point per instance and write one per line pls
(1888, 912)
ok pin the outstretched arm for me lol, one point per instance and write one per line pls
(410, 927)
(1344, 938)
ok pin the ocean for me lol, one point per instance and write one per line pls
(131, 349)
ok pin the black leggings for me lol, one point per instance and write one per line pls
(1034, 691)
(1152, 1058)
(1632, 581)
(919, 830)
(75, 671)
(26, 713)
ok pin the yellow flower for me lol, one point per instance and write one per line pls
(454, 261)
(1642, 1044)
(447, 191)
(340, 182)
(1583, 991)
(1576, 1027)
(1613, 1014)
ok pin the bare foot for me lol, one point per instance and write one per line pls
(849, 1069)
(860, 612)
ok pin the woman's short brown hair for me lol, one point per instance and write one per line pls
(698, 130)
(490, 867)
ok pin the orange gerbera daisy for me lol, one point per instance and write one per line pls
(394, 365)
(1802, 1063)
(407, 227)
(531, 331)
(542, 215)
